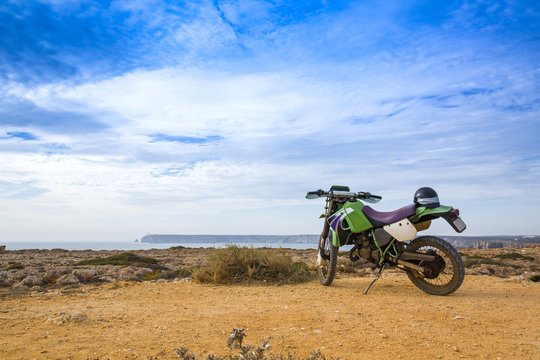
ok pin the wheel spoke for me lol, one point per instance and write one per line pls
(447, 274)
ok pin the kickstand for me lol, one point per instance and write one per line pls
(376, 278)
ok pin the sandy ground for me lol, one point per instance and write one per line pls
(487, 318)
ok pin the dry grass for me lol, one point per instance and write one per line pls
(235, 264)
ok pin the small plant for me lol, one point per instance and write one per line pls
(119, 259)
(51, 280)
(535, 277)
(514, 256)
(235, 264)
(470, 263)
(169, 274)
(475, 257)
(246, 352)
(14, 267)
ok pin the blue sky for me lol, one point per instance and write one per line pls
(121, 118)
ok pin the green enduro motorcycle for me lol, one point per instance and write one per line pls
(388, 238)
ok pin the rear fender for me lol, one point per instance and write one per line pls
(424, 214)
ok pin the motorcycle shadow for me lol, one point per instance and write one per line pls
(391, 284)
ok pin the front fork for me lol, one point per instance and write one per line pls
(324, 233)
(322, 243)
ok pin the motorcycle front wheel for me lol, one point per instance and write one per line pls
(445, 274)
(327, 261)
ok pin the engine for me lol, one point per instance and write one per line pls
(365, 247)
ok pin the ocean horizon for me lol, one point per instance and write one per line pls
(131, 245)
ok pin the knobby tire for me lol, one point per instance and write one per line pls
(327, 272)
(450, 279)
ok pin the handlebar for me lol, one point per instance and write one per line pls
(366, 196)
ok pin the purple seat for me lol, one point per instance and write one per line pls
(378, 218)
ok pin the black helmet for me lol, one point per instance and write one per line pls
(427, 197)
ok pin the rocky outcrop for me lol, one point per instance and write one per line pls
(68, 279)
(497, 245)
(28, 270)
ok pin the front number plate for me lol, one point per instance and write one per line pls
(459, 225)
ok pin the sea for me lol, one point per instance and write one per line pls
(130, 245)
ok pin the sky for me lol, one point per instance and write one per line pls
(126, 117)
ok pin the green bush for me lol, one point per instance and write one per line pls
(119, 259)
(473, 256)
(235, 264)
(514, 256)
(14, 267)
(169, 274)
(474, 262)
(535, 277)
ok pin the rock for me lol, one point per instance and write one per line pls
(68, 279)
(2, 248)
(20, 288)
(59, 319)
(16, 276)
(128, 274)
(107, 278)
(142, 271)
(125, 276)
(63, 318)
(32, 281)
(85, 275)
(56, 273)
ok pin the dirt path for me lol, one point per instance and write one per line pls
(488, 318)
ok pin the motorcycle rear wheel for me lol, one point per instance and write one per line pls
(448, 271)
(327, 270)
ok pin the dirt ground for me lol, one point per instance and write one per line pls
(487, 318)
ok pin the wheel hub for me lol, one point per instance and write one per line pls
(434, 268)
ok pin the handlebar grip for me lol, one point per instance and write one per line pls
(314, 194)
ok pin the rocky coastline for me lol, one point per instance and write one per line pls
(35, 270)
(23, 271)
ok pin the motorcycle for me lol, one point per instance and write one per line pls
(389, 238)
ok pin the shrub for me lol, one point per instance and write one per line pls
(479, 261)
(535, 277)
(119, 259)
(514, 256)
(235, 264)
(51, 280)
(474, 256)
(169, 274)
(14, 267)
